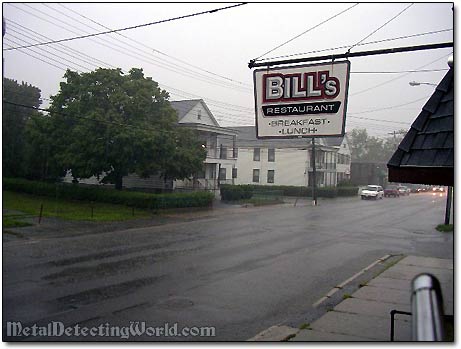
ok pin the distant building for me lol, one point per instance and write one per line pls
(288, 161)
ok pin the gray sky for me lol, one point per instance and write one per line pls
(222, 43)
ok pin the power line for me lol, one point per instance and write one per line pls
(399, 72)
(170, 89)
(306, 31)
(379, 28)
(143, 57)
(40, 36)
(66, 65)
(347, 55)
(362, 44)
(166, 65)
(84, 117)
(390, 107)
(389, 121)
(129, 28)
(63, 58)
(398, 77)
(155, 50)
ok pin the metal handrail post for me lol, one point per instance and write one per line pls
(427, 308)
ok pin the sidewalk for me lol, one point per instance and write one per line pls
(365, 316)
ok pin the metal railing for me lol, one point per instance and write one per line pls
(427, 308)
(427, 316)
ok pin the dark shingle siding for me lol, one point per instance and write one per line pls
(430, 140)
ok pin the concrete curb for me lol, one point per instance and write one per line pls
(347, 281)
(275, 334)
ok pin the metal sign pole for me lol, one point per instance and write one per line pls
(314, 175)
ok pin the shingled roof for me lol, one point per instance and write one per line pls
(426, 153)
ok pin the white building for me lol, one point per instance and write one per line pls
(288, 161)
(218, 141)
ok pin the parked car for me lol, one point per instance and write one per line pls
(391, 190)
(403, 190)
(372, 192)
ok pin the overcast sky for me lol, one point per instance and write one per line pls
(207, 56)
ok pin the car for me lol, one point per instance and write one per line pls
(403, 190)
(438, 189)
(372, 192)
(391, 190)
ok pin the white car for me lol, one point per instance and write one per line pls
(372, 192)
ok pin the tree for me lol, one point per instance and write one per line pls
(14, 122)
(358, 143)
(373, 149)
(108, 124)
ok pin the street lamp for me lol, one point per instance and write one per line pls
(414, 83)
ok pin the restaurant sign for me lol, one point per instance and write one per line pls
(301, 101)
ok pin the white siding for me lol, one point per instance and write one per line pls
(192, 116)
(289, 166)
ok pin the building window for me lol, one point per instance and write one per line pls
(234, 172)
(255, 175)
(199, 114)
(223, 152)
(270, 176)
(222, 173)
(271, 155)
(235, 152)
(256, 154)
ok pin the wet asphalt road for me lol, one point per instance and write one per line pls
(240, 270)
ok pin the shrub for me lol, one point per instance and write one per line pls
(109, 195)
(345, 183)
(348, 191)
(237, 192)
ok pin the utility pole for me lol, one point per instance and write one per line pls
(314, 175)
(448, 207)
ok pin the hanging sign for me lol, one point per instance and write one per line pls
(301, 101)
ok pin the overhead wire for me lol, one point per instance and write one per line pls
(142, 56)
(31, 33)
(361, 44)
(390, 107)
(398, 77)
(131, 27)
(154, 49)
(306, 31)
(66, 65)
(164, 64)
(220, 104)
(380, 27)
(61, 57)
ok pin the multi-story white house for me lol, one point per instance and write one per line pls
(218, 141)
(289, 161)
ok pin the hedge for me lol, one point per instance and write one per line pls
(108, 195)
(238, 192)
(235, 192)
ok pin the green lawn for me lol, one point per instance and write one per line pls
(70, 210)
(444, 228)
